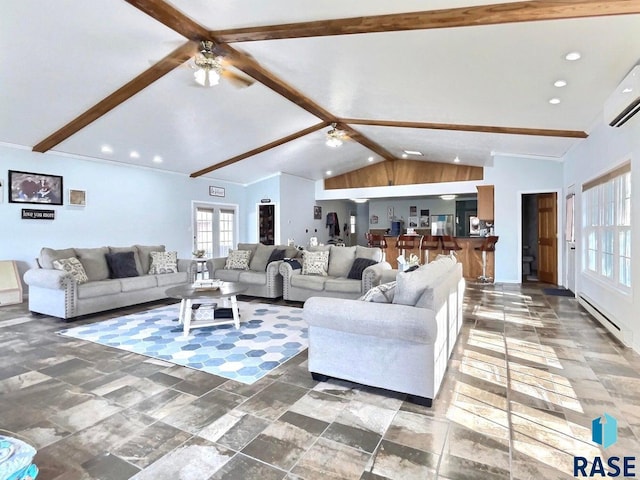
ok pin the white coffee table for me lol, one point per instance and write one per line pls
(188, 294)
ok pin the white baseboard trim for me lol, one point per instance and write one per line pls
(606, 320)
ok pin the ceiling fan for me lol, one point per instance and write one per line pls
(336, 136)
(210, 64)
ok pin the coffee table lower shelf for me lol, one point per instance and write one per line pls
(187, 312)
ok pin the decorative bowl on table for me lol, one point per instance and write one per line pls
(199, 253)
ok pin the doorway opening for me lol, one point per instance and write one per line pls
(539, 237)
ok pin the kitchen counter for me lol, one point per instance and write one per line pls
(470, 258)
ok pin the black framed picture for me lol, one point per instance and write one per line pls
(317, 212)
(38, 188)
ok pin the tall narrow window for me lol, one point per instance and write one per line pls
(204, 230)
(607, 227)
(227, 226)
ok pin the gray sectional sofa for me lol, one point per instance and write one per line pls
(58, 293)
(400, 340)
(299, 287)
(262, 278)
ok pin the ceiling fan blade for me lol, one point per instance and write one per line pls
(237, 80)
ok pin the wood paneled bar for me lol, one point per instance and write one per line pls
(470, 258)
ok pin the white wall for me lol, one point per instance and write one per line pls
(513, 176)
(606, 148)
(125, 206)
(296, 207)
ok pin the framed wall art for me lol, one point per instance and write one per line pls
(37, 188)
(216, 191)
(78, 197)
(317, 212)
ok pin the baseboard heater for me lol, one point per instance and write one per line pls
(604, 319)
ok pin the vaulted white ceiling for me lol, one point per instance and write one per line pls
(58, 59)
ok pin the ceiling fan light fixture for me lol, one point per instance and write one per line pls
(207, 65)
(206, 77)
(335, 137)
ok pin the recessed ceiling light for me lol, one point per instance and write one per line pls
(106, 149)
(573, 56)
(328, 172)
(370, 159)
(134, 154)
(404, 155)
(447, 197)
(456, 160)
(554, 101)
(412, 152)
(627, 90)
(360, 200)
(560, 83)
(157, 159)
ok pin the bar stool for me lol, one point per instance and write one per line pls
(429, 243)
(449, 243)
(377, 240)
(408, 242)
(488, 245)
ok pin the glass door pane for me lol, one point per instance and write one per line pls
(204, 231)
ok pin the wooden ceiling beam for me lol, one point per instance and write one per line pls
(541, 132)
(261, 149)
(172, 18)
(500, 13)
(365, 141)
(146, 78)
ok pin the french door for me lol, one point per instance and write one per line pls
(215, 228)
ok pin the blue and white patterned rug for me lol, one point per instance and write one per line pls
(268, 336)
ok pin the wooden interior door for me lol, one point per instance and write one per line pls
(548, 238)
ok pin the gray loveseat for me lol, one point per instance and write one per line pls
(262, 278)
(299, 287)
(402, 346)
(57, 293)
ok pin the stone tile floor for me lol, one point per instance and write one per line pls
(528, 375)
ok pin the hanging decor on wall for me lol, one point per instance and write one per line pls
(32, 214)
(216, 191)
(78, 197)
(39, 188)
(317, 212)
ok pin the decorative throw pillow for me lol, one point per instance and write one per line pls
(73, 266)
(383, 293)
(163, 262)
(275, 256)
(122, 264)
(358, 267)
(315, 263)
(238, 260)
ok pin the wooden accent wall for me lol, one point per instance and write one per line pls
(404, 172)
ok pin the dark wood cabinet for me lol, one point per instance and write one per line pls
(267, 224)
(485, 202)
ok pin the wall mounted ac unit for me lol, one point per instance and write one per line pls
(624, 102)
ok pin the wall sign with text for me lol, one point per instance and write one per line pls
(31, 214)
(216, 191)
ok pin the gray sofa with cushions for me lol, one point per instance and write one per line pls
(299, 287)
(402, 346)
(262, 278)
(57, 292)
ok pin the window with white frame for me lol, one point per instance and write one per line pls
(607, 227)
(227, 226)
